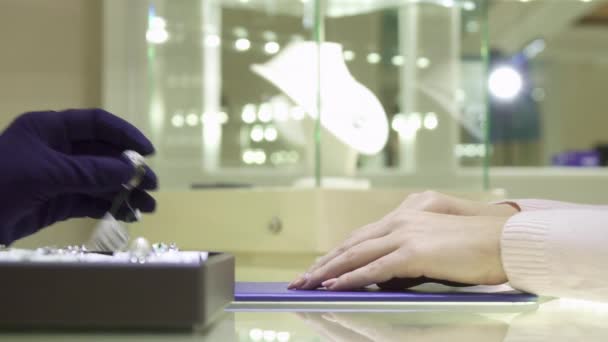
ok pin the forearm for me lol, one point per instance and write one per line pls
(560, 252)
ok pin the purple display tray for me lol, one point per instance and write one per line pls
(278, 292)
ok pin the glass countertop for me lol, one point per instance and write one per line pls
(555, 320)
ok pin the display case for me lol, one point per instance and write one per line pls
(309, 118)
(334, 93)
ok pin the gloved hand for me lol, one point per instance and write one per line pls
(59, 165)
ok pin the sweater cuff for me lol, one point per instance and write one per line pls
(538, 204)
(524, 252)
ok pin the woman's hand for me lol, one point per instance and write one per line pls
(409, 243)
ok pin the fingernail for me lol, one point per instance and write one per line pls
(296, 283)
(329, 283)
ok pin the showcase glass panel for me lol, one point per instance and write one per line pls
(425, 63)
(218, 115)
(338, 93)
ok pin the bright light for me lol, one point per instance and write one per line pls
(469, 6)
(349, 55)
(423, 62)
(177, 120)
(415, 120)
(255, 334)
(265, 112)
(260, 157)
(254, 157)
(257, 133)
(242, 44)
(271, 48)
(270, 335)
(248, 158)
(157, 32)
(406, 125)
(191, 119)
(214, 118)
(430, 121)
(248, 114)
(505, 83)
(212, 40)
(297, 113)
(398, 60)
(398, 122)
(270, 133)
(157, 36)
(374, 58)
(283, 336)
(222, 117)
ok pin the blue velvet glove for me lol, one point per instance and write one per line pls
(59, 165)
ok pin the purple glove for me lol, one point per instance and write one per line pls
(59, 165)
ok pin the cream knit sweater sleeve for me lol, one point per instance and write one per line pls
(557, 249)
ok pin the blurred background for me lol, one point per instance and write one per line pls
(471, 96)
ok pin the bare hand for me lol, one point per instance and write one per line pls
(409, 244)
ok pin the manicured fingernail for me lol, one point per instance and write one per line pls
(329, 283)
(296, 283)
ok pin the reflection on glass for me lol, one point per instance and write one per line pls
(415, 326)
(558, 320)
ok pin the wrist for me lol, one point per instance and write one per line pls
(504, 209)
(500, 272)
